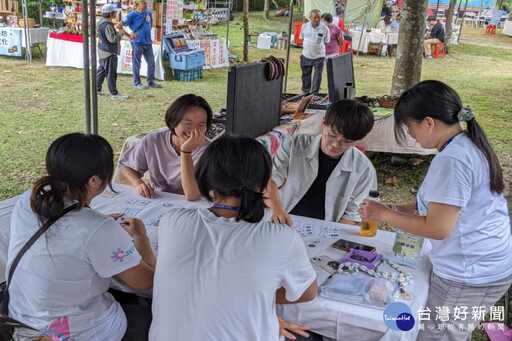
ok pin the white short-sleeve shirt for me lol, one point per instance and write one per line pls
(216, 278)
(155, 153)
(315, 38)
(60, 285)
(478, 250)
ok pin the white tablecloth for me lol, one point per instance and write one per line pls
(70, 54)
(345, 321)
(371, 37)
(382, 139)
(37, 35)
(331, 318)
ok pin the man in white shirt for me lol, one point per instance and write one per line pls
(315, 36)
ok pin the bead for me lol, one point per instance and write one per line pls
(363, 268)
(371, 272)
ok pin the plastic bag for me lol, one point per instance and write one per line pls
(359, 289)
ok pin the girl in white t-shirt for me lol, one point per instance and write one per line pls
(60, 285)
(170, 155)
(221, 271)
(460, 207)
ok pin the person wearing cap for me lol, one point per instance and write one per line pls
(139, 22)
(315, 36)
(436, 36)
(108, 49)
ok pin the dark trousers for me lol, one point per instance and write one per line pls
(307, 66)
(145, 50)
(108, 69)
(138, 315)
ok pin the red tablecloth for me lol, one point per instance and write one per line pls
(78, 38)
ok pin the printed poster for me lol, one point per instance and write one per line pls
(125, 57)
(407, 248)
(10, 42)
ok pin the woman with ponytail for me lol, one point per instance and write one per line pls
(221, 270)
(460, 207)
(60, 285)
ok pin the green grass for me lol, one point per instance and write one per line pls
(40, 103)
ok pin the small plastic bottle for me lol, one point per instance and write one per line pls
(369, 227)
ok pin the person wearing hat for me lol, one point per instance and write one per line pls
(436, 36)
(108, 49)
(139, 22)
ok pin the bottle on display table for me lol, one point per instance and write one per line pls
(369, 227)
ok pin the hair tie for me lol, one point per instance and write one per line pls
(466, 114)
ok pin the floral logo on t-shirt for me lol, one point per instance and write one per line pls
(58, 330)
(119, 255)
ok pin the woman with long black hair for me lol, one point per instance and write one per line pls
(460, 207)
(60, 285)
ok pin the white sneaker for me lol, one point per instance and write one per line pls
(103, 93)
(119, 96)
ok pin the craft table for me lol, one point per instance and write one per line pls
(333, 319)
(346, 321)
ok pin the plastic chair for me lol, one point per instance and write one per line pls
(346, 45)
(439, 51)
(469, 17)
(440, 13)
(491, 29)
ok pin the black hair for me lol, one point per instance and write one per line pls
(350, 118)
(71, 161)
(107, 14)
(179, 107)
(431, 17)
(439, 101)
(236, 166)
(327, 17)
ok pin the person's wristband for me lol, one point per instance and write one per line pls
(392, 206)
(185, 152)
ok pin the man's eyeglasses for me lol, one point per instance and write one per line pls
(332, 140)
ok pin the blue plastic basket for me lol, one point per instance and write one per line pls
(188, 75)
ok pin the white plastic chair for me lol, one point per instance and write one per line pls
(469, 18)
(440, 13)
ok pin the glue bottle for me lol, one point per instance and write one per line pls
(369, 227)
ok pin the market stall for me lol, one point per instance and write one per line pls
(66, 50)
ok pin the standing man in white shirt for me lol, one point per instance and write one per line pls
(315, 36)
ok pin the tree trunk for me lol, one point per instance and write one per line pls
(246, 31)
(266, 9)
(449, 24)
(410, 46)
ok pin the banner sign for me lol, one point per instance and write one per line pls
(10, 42)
